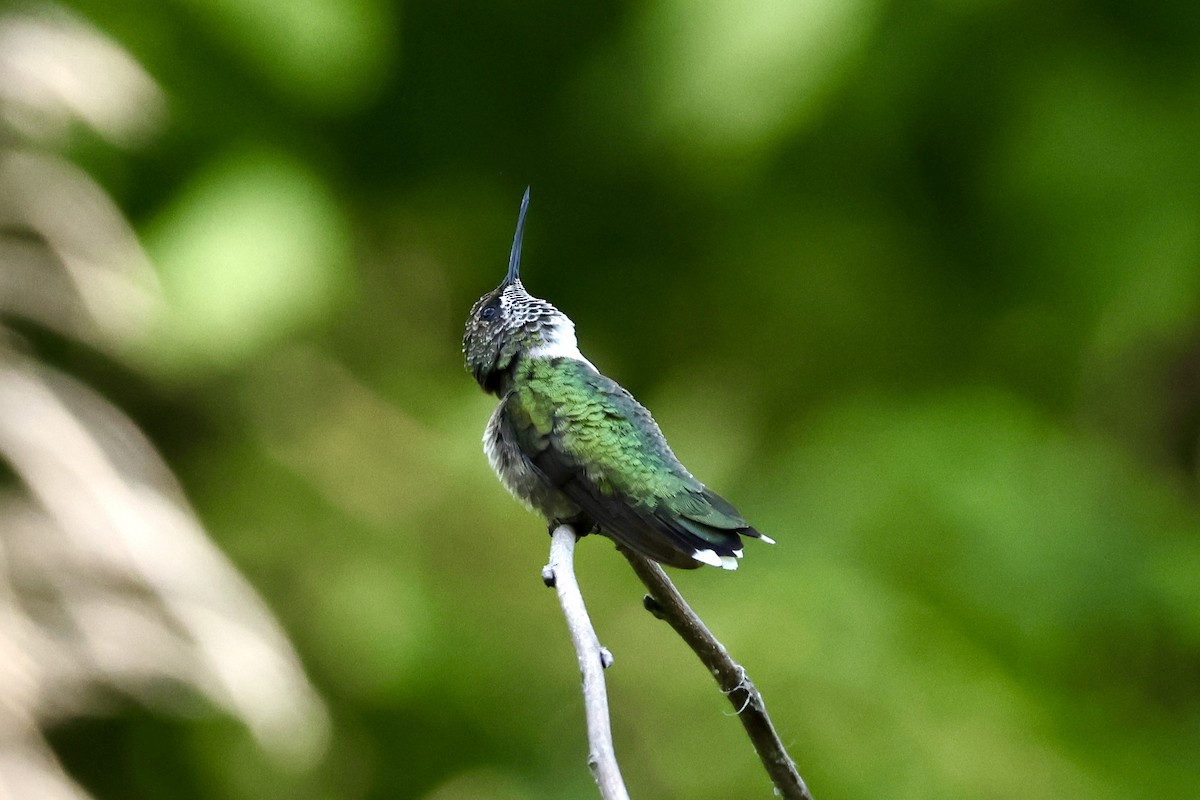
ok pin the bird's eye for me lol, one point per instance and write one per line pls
(488, 312)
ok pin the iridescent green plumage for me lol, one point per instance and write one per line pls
(574, 445)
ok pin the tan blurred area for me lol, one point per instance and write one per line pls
(111, 592)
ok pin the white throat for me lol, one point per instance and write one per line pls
(560, 343)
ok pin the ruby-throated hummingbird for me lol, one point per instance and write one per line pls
(575, 446)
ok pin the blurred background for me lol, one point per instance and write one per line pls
(915, 285)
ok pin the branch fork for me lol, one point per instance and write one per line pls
(666, 603)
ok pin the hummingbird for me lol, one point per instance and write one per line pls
(575, 446)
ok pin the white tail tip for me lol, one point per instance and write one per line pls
(712, 559)
(762, 537)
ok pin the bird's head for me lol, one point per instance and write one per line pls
(509, 323)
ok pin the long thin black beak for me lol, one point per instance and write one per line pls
(514, 258)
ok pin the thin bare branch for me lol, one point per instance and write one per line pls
(593, 659)
(665, 602)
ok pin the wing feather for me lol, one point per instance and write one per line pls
(596, 444)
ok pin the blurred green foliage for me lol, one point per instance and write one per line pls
(915, 284)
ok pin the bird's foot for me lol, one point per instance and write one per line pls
(579, 524)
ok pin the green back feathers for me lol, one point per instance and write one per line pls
(596, 444)
(599, 425)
